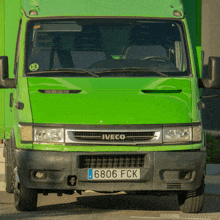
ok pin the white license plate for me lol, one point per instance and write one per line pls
(113, 174)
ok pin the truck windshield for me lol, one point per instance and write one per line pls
(106, 48)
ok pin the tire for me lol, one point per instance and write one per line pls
(192, 201)
(9, 179)
(25, 199)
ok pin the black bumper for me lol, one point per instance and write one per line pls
(161, 171)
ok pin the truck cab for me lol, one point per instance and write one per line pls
(104, 96)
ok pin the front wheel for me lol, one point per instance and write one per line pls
(25, 199)
(192, 201)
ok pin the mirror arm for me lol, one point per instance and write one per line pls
(209, 96)
(11, 83)
(8, 84)
(204, 83)
(213, 80)
(200, 83)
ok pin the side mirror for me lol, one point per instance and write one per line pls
(5, 82)
(213, 82)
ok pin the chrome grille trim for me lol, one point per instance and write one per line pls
(94, 136)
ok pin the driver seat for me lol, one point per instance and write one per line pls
(140, 52)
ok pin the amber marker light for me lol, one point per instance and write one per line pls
(33, 12)
(36, 26)
(26, 133)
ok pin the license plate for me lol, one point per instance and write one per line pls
(113, 174)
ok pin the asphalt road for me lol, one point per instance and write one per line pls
(107, 206)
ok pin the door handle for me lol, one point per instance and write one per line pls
(11, 100)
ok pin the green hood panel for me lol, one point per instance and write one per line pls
(111, 100)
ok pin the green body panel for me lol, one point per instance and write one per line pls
(10, 16)
(149, 8)
(22, 92)
(111, 101)
(11, 32)
(2, 52)
(192, 10)
(196, 114)
(12, 13)
(2, 27)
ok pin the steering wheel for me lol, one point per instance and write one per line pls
(156, 58)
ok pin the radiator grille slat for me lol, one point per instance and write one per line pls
(112, 161)
(173, 185)
(110, 136)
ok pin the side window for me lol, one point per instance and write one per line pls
(16, 61)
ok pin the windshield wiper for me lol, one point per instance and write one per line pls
(64, 71)
(136, 69)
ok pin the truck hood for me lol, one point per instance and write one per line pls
(110, 100)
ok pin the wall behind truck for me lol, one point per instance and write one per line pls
(211, 47)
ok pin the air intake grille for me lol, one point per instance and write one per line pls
(113, 136)
(174, 186)
(112, 161)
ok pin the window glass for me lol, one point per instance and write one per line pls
(106, 47)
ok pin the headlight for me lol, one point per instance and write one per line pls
(177, 134)
(26, 133)
(182, 134)
(48, 134)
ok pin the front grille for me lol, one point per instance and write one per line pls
(113, 136)
(112, 161)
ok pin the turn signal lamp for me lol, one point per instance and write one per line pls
(33, 12)
(177, 13)
(26, 133)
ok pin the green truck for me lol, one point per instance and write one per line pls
(103, 96)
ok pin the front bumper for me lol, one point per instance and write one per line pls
(161, 171)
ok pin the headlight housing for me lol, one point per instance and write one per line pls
(170, 134)
(182, 134)
(42, 134)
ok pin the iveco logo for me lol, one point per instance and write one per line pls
(113, 137)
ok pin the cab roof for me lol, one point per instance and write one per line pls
(140, 8)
